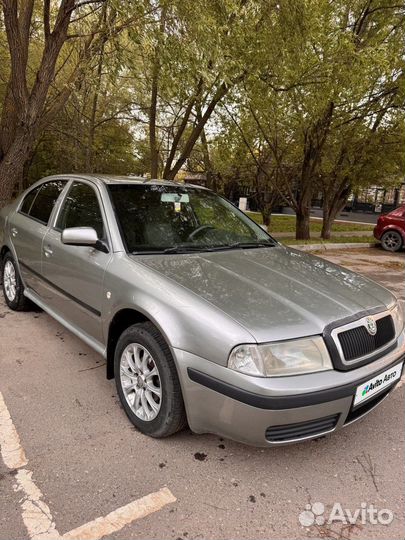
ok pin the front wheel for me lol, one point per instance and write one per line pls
(391, 241)
(147, 381)
(13, 288)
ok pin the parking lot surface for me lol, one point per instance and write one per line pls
(84, 460)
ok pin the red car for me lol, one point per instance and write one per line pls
(390, 229)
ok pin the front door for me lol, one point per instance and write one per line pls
(75, 274)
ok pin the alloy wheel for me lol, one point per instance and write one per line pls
(9, 281)
(392, 241)
(140, 382)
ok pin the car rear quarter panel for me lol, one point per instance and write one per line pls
(390, 222)
(5, 213)
(2, 227)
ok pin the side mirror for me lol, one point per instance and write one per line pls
(83, 236)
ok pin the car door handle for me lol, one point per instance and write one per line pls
(14, 231)
(48, 251)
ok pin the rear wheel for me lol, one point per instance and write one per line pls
(13, 288)
(147, 381)
(391, 241)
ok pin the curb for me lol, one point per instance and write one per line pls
(326, 247)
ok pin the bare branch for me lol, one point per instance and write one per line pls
(86, 3)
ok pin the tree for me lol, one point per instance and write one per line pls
(370, 113)
(184, 66)
(313, 75)
(289, 113)
(70, 35)
(366, 156)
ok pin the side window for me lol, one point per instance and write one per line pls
(28, 200)
(81, 209)
(44, 202)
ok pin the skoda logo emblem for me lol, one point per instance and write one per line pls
(371, 326)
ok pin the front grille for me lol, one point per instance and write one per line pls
(300, 430)
(357, 342)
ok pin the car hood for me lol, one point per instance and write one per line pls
(275, 293)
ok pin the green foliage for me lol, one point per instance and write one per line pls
(310, 55)
(62, 150)
(283, 66)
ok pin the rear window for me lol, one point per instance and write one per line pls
(45, 200)
(28, 200)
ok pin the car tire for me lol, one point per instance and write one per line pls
(140, 349)
(391, 241)
(13, 288)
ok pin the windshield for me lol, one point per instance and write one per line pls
(170, 219)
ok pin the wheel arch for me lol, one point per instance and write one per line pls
(395, 228)
(123, 319)
(3, 251)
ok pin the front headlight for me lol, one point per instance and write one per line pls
(397, 315)
(281, 358)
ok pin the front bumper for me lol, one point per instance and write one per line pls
(269, 412)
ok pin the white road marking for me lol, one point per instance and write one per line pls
(116, 520)
(11, 450)
(36, 514)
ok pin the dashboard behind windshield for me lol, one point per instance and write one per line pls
(164, 218)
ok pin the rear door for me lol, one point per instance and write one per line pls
(75, 274)
(28, 227)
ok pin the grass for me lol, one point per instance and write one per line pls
(287, 224)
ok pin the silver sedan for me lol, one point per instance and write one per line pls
(202, 317)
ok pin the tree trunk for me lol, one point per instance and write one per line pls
(333, 203)
(315, 138)
(94, 106)
(266, 215)
(12, 168)
(302, 231)
(9, 122)
(303, 207)
(154, 155)
(209, 170)
(153, 142)
(327, 223)
(330, 213)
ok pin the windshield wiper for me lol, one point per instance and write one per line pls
(173, 249)
(248, 245)
(196, 249)
(147, 252)
(186, 249)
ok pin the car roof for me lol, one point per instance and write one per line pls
(121, 179)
